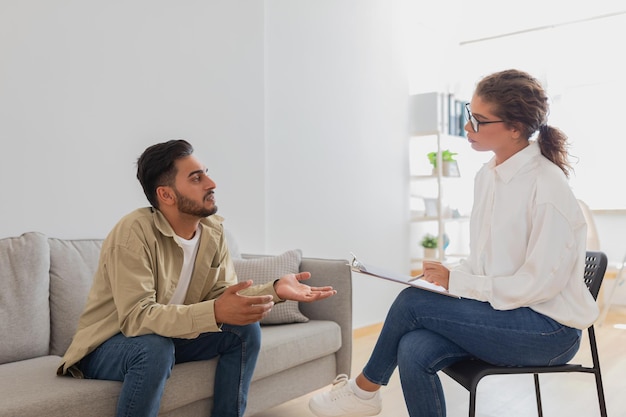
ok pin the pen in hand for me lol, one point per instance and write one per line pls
(416, 278)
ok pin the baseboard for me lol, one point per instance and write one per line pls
(367, 330)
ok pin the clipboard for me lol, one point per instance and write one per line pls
(417, 282)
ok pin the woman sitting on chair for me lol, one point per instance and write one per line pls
(523, 300)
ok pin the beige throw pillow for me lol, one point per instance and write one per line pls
(267, 269)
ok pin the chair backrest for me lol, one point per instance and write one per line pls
(593, 239)
(595, 266)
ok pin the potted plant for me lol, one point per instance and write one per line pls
(449, 167)
(430, 243)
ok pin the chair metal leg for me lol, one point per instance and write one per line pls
(538, 395)
(596, 364)
(600, 390)
(472, 404)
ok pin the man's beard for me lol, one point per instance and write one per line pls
(188, 206)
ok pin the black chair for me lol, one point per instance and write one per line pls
(469, 372)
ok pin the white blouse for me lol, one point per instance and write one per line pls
(527, 241)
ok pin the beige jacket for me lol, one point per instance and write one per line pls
(138, 270)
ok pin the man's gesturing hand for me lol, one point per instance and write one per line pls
(239, 310)
(289, 287)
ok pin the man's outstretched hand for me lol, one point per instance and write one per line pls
(289, 287)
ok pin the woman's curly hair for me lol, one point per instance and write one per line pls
(520, 100)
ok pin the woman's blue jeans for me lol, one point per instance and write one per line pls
(425, 332)
(144, 364)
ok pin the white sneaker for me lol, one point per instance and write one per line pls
(342, 401)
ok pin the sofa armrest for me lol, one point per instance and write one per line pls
(338, 308)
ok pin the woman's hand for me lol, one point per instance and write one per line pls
(436, 273)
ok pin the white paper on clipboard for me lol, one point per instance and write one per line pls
(417, 282)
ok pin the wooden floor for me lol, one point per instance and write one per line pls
(570, 395)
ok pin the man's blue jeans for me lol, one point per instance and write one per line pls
(425, 332)
(144, 363)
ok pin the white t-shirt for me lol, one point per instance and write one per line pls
(190, 249)
(527, 241)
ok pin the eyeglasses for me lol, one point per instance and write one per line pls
(475, 122)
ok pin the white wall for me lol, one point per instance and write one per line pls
(336, 138)
(297, 108)
(85, 86)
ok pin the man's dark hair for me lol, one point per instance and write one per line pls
(155, 166)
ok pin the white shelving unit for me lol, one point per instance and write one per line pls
(436, 126)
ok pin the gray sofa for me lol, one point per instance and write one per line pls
(43, 285)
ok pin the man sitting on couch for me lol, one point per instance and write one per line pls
(165, 292)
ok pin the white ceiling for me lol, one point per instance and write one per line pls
(470, 20)
(488, 18)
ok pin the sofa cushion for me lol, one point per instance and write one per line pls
(31, 388)
(289, 345)
(24, 308)
(267, 269)
(73, 264)
(26, 385)
(283, 347)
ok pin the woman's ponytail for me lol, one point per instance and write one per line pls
(553, 145)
